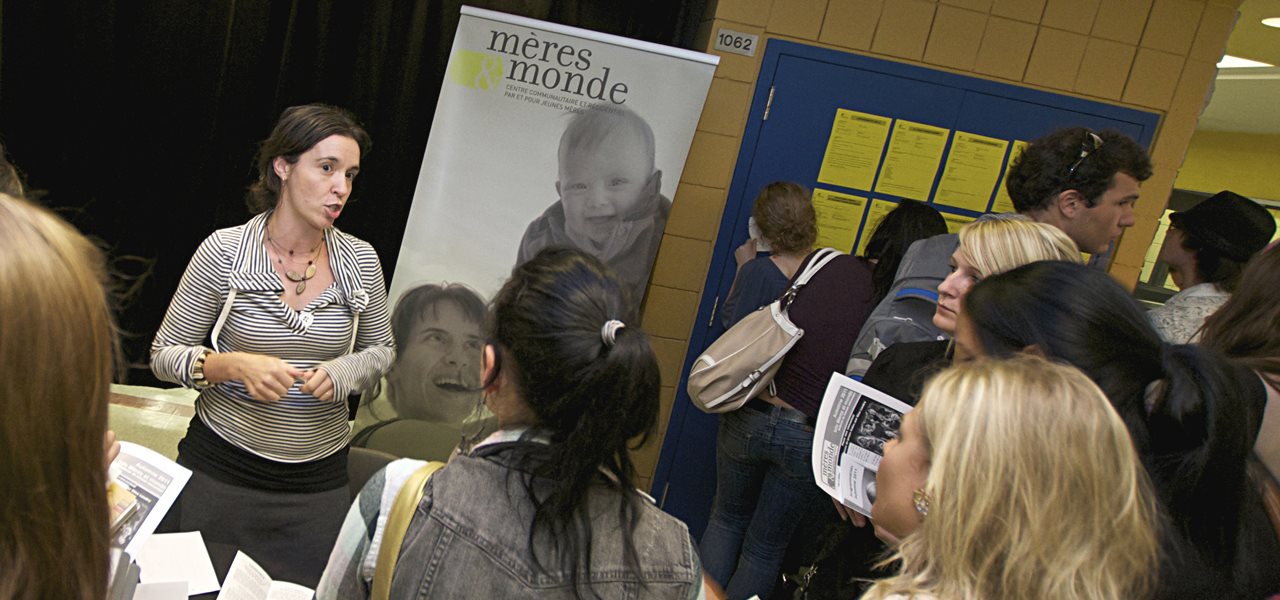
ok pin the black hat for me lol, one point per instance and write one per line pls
(1229, 223)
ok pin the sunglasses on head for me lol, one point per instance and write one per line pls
(1090, 145)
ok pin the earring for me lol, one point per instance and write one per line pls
(921, 500)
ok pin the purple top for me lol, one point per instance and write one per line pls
(830, 309)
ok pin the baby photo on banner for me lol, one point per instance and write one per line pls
(544, 135)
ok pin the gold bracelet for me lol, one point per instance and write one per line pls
(197, 371)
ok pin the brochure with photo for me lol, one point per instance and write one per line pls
(854, 423)
(144, 485)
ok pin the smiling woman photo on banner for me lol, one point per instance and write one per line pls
(430, 400)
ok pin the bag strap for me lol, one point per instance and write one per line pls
(222, 318)
(355, 328)
(397, 525)
(820, 259)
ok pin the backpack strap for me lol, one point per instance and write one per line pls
(915, 292)
(397, 525)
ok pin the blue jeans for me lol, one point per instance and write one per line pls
(764, 487)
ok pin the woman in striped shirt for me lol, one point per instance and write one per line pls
(276, 322)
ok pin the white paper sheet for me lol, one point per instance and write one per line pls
(180, 557)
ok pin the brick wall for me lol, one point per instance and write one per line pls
(1156, 55)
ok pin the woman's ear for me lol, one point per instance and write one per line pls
(281, 167)
(1034, 350)
(489, 368)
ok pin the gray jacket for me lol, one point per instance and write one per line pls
(906, 312)
(470, 539)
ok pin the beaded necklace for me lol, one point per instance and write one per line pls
(300, 278)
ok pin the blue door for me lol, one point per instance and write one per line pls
(799, 90)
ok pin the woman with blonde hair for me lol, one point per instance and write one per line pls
(1192, 415)
(1015, 479)
(57, 347)
(987, 247)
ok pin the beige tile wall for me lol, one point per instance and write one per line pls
(1155, 55)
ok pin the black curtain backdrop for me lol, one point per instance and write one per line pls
(137, 120)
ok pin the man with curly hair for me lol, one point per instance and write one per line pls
(1081, 182)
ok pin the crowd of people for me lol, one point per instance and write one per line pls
(1064, 442)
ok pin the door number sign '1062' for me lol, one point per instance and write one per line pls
(737, 42)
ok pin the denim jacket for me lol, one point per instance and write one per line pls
(469, 538)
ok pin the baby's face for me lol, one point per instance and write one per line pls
(600, 187)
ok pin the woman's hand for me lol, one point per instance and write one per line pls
(849, 515)
(266, 378)
(110, 447)
(746, 252)
(317, 383)
(712, 589)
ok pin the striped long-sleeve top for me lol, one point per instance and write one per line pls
(299, 427)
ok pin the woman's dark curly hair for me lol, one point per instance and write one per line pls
(786, 218)
(903, 226)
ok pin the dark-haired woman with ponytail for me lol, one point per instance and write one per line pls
(1192, 415)
(546, 506)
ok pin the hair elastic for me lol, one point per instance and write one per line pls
(609, 332)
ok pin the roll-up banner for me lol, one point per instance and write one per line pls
(544, 135)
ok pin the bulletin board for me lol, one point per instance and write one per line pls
(863, 133)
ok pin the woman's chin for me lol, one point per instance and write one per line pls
(884, 535)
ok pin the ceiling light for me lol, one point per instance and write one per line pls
(1271, 22)
(1235, 62)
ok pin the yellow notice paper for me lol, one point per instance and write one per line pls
(1003, 203)
(838, 218)
(915, 151)
(854, 149)
(875, 214)
(973, 166)
(955, 222)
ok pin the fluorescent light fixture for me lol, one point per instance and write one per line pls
(1235, 62)
(1271, 21)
